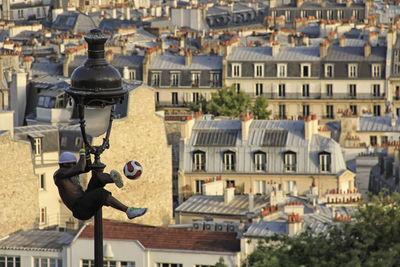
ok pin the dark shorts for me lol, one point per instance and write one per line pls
(87, 205)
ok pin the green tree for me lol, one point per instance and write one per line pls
(221, 263)
(201, 104)
(228, 102)
(373, 239)
(259, 108)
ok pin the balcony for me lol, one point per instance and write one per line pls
(337, 96)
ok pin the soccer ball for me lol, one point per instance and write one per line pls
(133, 170)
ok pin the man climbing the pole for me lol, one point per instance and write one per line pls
(84, 204)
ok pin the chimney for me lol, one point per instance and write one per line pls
(348, 3)
(246, 126)
(229, 194)
(310, 126)
(294, 224)
(275, 48)
(109, 56)
(272, 4)
(128, 13)
(188, 58)
(299, 3)
(114, 13)
(251, 200)
(367, 49)
(323, 49)
(342, 41)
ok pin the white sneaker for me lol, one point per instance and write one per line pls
(132, 212)
(117, 178)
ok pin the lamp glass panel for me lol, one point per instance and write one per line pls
(97, 120)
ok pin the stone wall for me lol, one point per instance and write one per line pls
(142, 137)
(18, 187)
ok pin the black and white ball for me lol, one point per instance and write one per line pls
(133, 170)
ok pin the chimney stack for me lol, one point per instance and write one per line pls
(367, 49)
(323, 49)
(251, 200)
(310, 126)
(342, 41)
(229, 194)
(275, 48)
(188, 58)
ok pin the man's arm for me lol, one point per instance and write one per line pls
(77, 169)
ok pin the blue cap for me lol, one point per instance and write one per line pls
(67, 157)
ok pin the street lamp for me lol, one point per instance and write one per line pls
(96, 87)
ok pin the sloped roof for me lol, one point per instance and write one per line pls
(297, 53)
(200, 62)
(378, 124)
(152, 237)
(37, 240)
(238, 206)
(216, 138)
(354, 53)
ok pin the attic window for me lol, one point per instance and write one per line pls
(324, 162)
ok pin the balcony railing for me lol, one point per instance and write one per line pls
(335, 96)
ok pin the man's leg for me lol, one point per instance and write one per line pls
(100, 179)
(131, 212)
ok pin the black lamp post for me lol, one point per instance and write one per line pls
(95, 88)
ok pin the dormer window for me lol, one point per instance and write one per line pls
(305, 70)
(229, 161)
(258, 70)
(236, 70)
(260, 161)
(37, 143)
(324, 162)
(290, 161)
(199, 161)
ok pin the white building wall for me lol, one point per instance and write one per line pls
(18, 97)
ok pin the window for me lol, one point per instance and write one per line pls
(237, 87)
(20, 14)
(352, 70)
(287, 15)
(281, 70)
(373, 140)
(340, 14)
(10, 261)
(78, 141)
(324, 162)
(356, 13)
(329, 90)
(236, 70)
(261, 187)
(352, 90)
(132, 75)
(38, 145)
(128, 264)
(199, 186)
(174, 79)
(290, 161)
(195, 79)
(38, 12)
(199, 161)
(376, 70)
(42, 182)
(215, 78)
(230, 183)
(175, 98)
(259, 161)
(281, 90)
(43, 215)
(47, 262)
(108, 263)
(376, 90)
(353, 109)
(329, 111)
(329, 14)
(377, 110)
(63, 141)
(384, 140)
(328, 70)
(282, 111)
(258, 70)
(195, 97)
(229, 161)
(155, 79)
(169, 265)
(259, 89)
(306, 90)
(306, 110)
(291, 186)
(305, 70)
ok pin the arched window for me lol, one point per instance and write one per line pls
(290, 161)
(229, 160)
(325, 161)
(260, 161)
(199, 160)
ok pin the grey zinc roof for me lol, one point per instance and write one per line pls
(265, 228)
(216, 138)
(201, 62)
(297, 53)
(378, 124)
(216, 205)
(37, 240)
(34, 128)
(285, 133)
(348, 54)
(217, 125)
